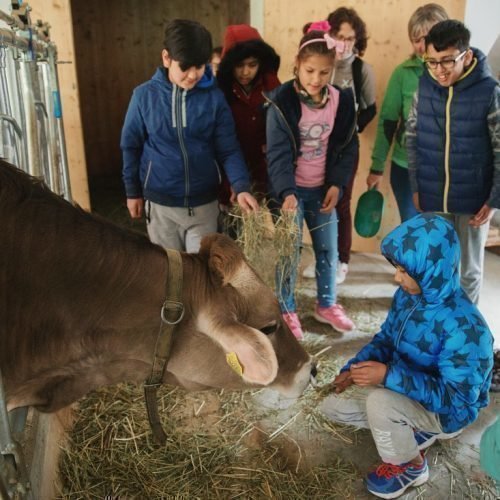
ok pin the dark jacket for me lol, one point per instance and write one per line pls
(450, 147)
(241, 42)
(437, 347)
(283, 140)
(173, 141)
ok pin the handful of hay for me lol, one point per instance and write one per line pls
(286, 234)
(252, 228)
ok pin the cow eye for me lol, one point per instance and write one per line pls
(267, 330)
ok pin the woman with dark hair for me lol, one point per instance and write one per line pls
(350, 70)
(248, 67)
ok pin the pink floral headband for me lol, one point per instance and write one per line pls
(331, 43)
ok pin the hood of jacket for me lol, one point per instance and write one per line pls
(240, 42)
(427, 247)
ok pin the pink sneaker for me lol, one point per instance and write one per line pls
(293, 322)
(335, 316)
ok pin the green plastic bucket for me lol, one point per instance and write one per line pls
(368, 214)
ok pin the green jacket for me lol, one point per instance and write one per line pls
(394, 113)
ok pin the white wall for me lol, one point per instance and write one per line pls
(482, 17)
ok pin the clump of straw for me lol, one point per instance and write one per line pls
(216, 449)
(286, 234)
(251, 229)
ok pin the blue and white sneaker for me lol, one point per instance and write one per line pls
(391, 481)
(425, 439)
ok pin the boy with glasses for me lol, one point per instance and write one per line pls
(453, 143)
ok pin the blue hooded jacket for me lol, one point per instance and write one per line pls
(437, 347)
(173, 140)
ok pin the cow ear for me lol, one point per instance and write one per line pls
(248, 352)
(225, 258)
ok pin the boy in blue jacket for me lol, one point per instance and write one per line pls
(426, 374)
(453, 143)
(177, 131)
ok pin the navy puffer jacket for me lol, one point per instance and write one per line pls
(173, 141)
(455, 156)
(436, 345)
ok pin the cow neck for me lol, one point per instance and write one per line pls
(172, 312)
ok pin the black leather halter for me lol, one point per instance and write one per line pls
(171, 315)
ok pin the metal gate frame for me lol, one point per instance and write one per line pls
(32, 138)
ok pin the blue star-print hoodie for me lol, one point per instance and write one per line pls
(437, 347)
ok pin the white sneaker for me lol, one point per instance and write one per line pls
(342, 269)
(309, 271)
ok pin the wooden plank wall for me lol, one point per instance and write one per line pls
(58, 14)
(117, 46)
(388, 46)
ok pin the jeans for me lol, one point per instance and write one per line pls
(323, 229)
(400, 183)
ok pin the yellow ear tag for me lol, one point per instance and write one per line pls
(234, 363)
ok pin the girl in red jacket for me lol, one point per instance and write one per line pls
(248, 67)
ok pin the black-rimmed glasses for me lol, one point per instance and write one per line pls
(445, 63)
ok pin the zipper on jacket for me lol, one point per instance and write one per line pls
(150, 164)
(447, 151)
(400, 332)
(177, 104)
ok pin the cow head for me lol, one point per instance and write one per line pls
(240, 338)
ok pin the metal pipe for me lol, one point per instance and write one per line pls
(66, 184)
(16, 105)
(14, 124)
(53, 157)
(12, 20)
(30, 118)
(14, 39)
(12, 463)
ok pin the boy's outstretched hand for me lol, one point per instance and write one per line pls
(342, 381)
(367, 373)
(247, 202)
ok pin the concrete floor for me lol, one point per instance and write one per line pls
(370, 277)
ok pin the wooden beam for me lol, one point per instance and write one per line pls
(58, 14)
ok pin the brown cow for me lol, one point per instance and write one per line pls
(80, 302)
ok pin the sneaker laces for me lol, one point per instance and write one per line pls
(390, 470)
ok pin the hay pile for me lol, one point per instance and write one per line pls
(217, 448)
(224, 445)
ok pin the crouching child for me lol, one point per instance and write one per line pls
(426, 374)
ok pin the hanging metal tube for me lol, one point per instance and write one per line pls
(9, 37)
(30, 118)
(57, 108)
